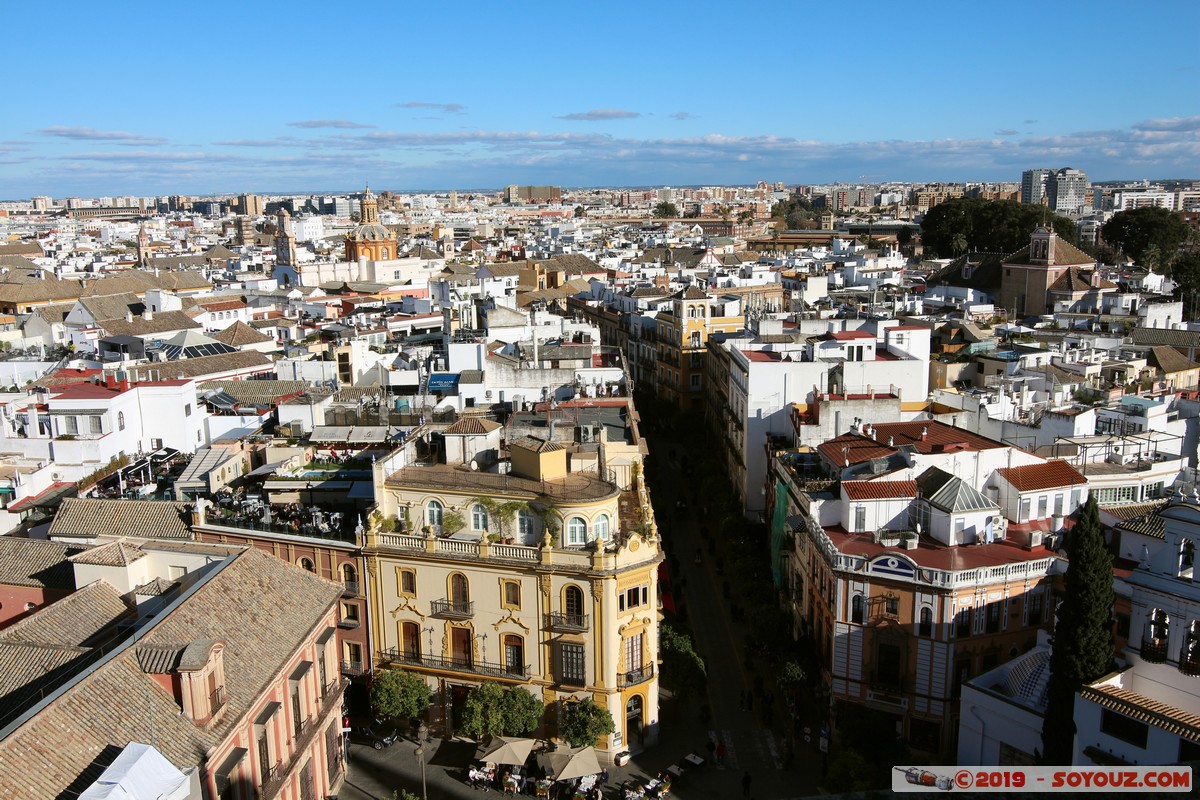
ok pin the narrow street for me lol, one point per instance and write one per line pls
(704, 590)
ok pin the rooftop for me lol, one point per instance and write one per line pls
(576, 486)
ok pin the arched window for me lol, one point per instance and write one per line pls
(526, 527)
(600, 527)
(306, 563)
(479, 517)
(1189, 656)
(576, 531)
(1187, 555)
(410, 640)
(926, 628)
(350, 577)
(383, 253)
(433, 514)
(460, 590)
(120, 420)
(1154, 640)
(573, 605)
(856, 609)
(514, 654)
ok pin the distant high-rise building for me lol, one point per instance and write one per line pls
(532, 194)
(1064, 190)
(1069, 190)
(1034, 190)
(42, 203)
(249, 204)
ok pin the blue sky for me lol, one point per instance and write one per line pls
(156, 98)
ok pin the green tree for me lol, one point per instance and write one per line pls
(1186, 274)
(683, 670)
(483, 711)
(584, 722)
(848, 772)
(994, 226)
(666, 209)
(522, 712)
(1147, 234)
(399, 693)
(1083, 642)
(492, 710)
(580, 211)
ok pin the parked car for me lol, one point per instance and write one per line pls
(375, 736)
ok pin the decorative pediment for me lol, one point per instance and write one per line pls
(406, 604)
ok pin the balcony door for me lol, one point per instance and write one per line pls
(460, 646)
(411, 641)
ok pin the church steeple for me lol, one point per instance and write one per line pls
(143, 247)
(368, 208)
(1042, 246)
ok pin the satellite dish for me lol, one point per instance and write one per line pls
(474, 465)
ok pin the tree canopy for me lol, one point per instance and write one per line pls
(683, 671)
(796, 212)
(399, 693)
(1151, 236)
(1186, 274)
(994, 226)
(1083, 641)
(666, 209)
(584, 722)
(492, 710)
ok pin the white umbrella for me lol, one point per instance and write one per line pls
(568, 764)
(503, 750)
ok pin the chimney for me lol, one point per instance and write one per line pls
(891, 441)
(147, 315)
(924, 432)
(128, 316)
(110, 380)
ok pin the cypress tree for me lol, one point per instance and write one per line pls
(1083, 642)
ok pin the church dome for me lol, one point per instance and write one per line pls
(371, 232)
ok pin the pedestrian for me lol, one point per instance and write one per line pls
(712, 749)
(720, 751)
(604, 775)
(746, 779)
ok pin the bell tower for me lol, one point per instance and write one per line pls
(285, 239)
(143, 247)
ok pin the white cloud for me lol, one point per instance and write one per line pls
(91, 134)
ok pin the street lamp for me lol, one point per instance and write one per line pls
(421, 739)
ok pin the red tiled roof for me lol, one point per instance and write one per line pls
(879, 490)
(845, 336)
(939, 438)
(221, 305)
(1050, 475)
(933, 555)
(86, 391)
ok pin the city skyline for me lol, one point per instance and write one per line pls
(267, 102)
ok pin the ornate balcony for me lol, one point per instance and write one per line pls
(633, 677)
(456, 664)
(452, 609)
(557, 621)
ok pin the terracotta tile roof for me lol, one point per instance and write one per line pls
(879, 490)
(140, 519)
(72, 621)
(1172, 338)
(1153, 712)
(162, 322)
(1065, 254)
(537, 445)
(205, 365)
(472, 426)
(239, 334)
(1132, 510)
(934, 555)
(220, 305)
(35, 562)
(120, 553)
(938, 438)
(1050, 475)
(846, 336)
(118, 702)
(1170, 360)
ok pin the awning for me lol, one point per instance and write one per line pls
(50, 497)
(443, 382)
(361, 490)
(266, 469)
